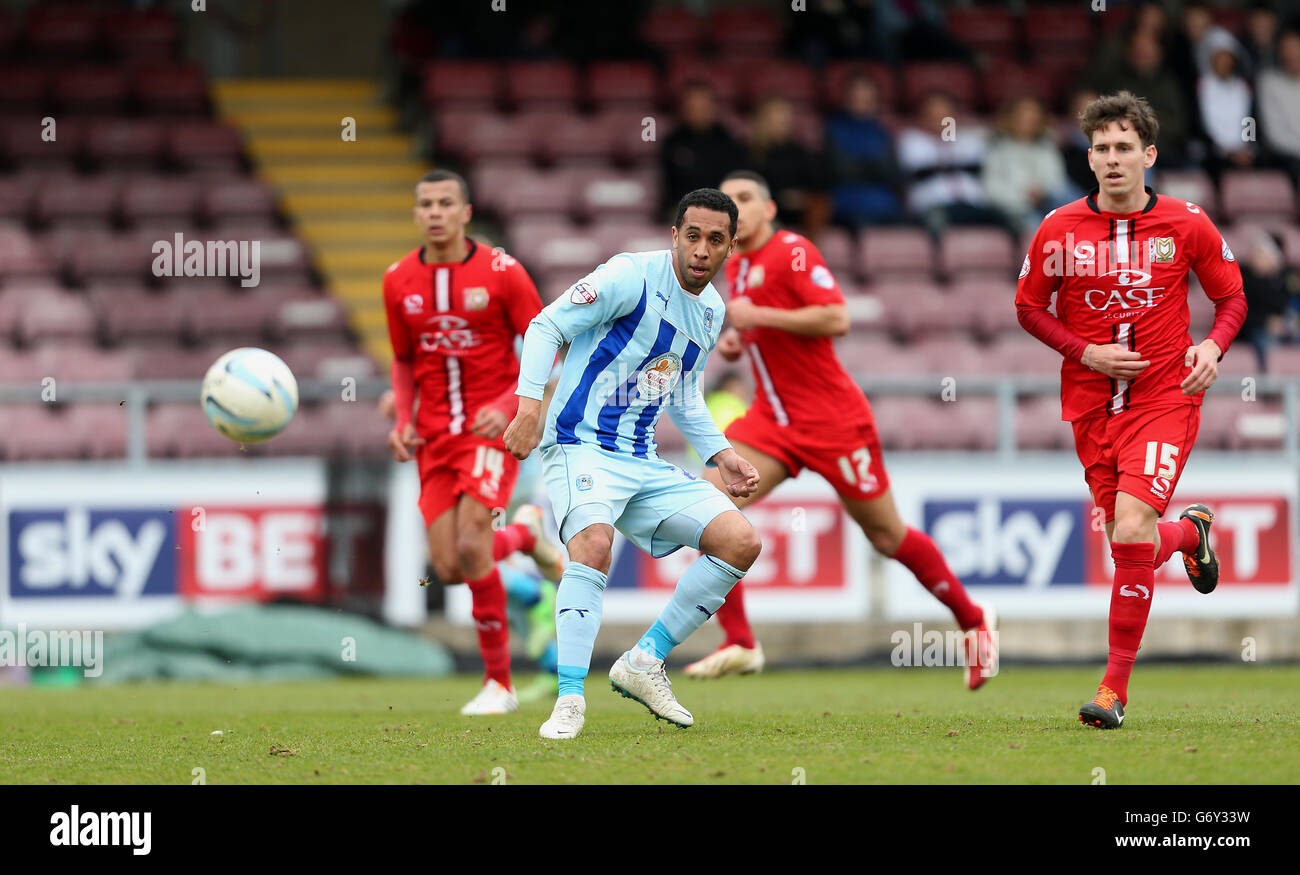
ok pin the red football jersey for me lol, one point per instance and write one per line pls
(457, 322)
(798, 377)
(1122, 278)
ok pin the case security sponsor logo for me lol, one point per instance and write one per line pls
(1030, 542)
(91, 552)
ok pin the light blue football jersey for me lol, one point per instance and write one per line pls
(638, 343)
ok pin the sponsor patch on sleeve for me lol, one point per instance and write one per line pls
(822, 277)
(1024, 268)
(1227, 252)
(582, 293)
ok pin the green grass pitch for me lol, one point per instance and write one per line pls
(1185, 725)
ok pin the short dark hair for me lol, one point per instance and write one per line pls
(709, 199)
(750, 176)
(1124, 108)
(445, 176)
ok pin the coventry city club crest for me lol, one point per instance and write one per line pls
(708, 318)
(659, 376)
(584, 482)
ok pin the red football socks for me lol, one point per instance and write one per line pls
(1176, 537)
(513, 538)
(921, 557)
(1130, 604)
(493, 632)
(731, 617)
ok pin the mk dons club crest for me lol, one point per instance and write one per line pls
(1161, 249)
(476, 298)
(755, 278)
(659, 376)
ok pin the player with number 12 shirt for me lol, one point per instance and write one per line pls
(809, 413)
(454, 307)
(1132, 381)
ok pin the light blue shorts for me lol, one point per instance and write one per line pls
(658, 506)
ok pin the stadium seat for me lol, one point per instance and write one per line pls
(61, 30)
(554, 243)
(1257, 194)
(233, 320)
(621, 84)
(499, 136)
(567, 138)
(311, 433)
(615, 237)
(99, 90)
(949, 352)
(618, 194)
(1193, 186)
(24, 90)
(56, 317)
(632, 141)
(489, 180)
(747, 30)
(83, 363)
(1024, 356)
(82, 430)
(306, 315)
(141, 33)
(128, 256)
(168, 361)
(1039, 425)
(129, 314)
(1284, 361)
(182, 430)
(150, 198)
(311, 359)
(672, 29)
(839, 251)
(719, 76)
(965, 252)
(361, 433)
(204, 145)
(888, 252)
(124, 144)
(1052, 28)
(985, 29)
(793, 81)
(472, 83)
(1006, 80)
(78, 200)
(992, 303)
(1258, 425)
(544, 192)
(21, 254)
(28, 148)
(541, 84)
(172, 89)
(241, 198)
(951, 77)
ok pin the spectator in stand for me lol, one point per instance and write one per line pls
(1024, 172)
(1149, 18)
(1260, 42)
(1074, 143)
(943, 169)
(1272, 291)
(860, 155)
(1145, 74)
(1279, 106)
(796, 176)
(1225, 101)
(701, 150)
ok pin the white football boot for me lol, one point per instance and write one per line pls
(567, 718)
(492, 699)
(725, 660)
(651, 688)
(548, 555)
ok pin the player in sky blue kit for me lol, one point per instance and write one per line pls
(640, 328)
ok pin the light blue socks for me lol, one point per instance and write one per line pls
(577, 620)
(698, 595)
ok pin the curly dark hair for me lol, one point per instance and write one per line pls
(709, 199)
(1124, 107)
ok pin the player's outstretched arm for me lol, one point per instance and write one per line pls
(738, 475)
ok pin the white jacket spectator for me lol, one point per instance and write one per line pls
(1024, 172)
(1279, 100)
(1225, 100)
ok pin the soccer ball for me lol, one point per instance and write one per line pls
(249, 395)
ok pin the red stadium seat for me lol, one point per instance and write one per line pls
(1006, 80)
(622, 194)
(129, 314)
(632, 142)
(992, 303)
(122, 144)
(548, 192)
(615, 237)
(1257, 194)
(984, 28)
(56, 317)
(745, 30)
(885, 252)
(541, 84)
(232, 320)
(361, 433)
(86, 200)
(620, 84)
(27, 144)
(472, 83)
(24, 90)
(795, 82)
(93, 431)
(242, 198)
(22, 255)
(313, 433)
(99, 90)
(1193, 186)
(142, 33)
(1059, 28)
(168, 361)
(1025, 356)
(203, 145)
(310, 359)
(454, 126)
(1039, 425)
(967, 251)
(304, 315)
(65, 30)
(672, 29)
(839, 251)
(182, 430)
(531, 236)
(571, 139)
(174, 89)
(1259, 425)
(499, 136)
(720, 76)
(83, 363)
(952, 78)
(122, 256)
(149, 198)
(489, 180)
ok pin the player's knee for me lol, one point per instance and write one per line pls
(448, 570)
(474, 553)
(738, 545)
(886, 539)
(591, 547)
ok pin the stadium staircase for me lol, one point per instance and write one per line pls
(350, 200)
